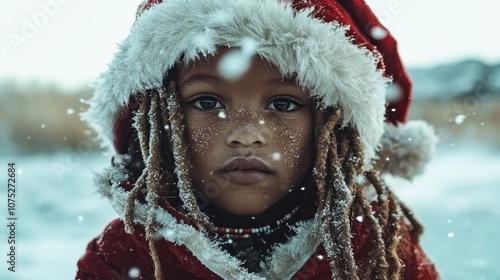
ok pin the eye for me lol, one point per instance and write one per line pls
(206, 102)
(283, 104)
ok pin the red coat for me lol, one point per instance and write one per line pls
(115, 253)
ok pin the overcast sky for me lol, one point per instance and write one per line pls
(70, 42)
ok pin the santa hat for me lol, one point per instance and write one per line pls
(339, 51)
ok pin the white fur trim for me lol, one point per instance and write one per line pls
(285, 260)
(326, 61)
(289, 258)
(406, 148)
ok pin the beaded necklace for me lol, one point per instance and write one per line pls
(242, 233)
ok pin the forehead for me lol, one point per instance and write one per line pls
(229, 64)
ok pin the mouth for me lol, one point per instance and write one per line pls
(246, 171)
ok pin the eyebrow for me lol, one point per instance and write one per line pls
(283, 81)
(200, 79)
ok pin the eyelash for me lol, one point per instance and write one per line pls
(204, 97)
(298, 105)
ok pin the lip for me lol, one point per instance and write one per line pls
(245, 171)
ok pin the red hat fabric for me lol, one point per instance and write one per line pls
(339, 51)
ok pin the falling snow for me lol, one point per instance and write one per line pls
(70, 111)
(134, 272)
(394, 92)
(236, 62)
(378, 33)
(222, 115)
(459, 119)
(276, 156)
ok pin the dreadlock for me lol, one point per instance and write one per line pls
(338, 174)
(159, 126)
(338, 166)
(149, 179)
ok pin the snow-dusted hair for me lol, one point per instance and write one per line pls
(338, 173)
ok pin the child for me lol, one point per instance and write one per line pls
(250, 143)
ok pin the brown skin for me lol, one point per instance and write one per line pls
(260, 116)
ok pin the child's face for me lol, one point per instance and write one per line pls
(250, 139)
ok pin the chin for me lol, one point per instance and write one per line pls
(245, 209)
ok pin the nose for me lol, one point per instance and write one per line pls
(248, 135)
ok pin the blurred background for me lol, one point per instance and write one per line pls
(51, 52)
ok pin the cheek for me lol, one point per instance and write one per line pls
(296, 147)
(201, 140)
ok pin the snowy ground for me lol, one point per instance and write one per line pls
(457, 199)
(58, 213)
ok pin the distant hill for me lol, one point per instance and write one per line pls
(456, 80)
(461, 100)
(42, 118)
